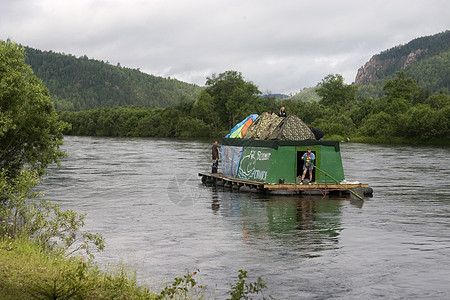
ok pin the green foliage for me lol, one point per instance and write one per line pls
(402, 87)
(438, 101)
(66, 282)
(433, 73)
(14, 208)
(30, 132)
(83, 83)
(188, 127)
(361, 110)
(395, 115)
(119, 283)
(43, 221)
(28, 272)
(379, 125)
(242, 289)
(204, 110)
(340, 124)
(184, 287)
(425, 59)
(423, 122)
(233, 98)
(227, 100)
(307, 94)
(334, 92)
(372, 90)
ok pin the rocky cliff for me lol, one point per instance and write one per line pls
(380, 66)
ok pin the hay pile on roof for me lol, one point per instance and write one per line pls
(292, 128)
(272, 127)
(263, 127)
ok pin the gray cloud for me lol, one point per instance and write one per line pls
(282, 46)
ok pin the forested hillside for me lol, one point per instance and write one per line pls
(425, 59)
(83, 83)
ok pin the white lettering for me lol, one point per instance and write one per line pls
(261, 175)
(263, 156)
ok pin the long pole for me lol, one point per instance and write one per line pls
(335, 180)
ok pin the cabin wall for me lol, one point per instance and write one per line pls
(254, 163)
(270, 165)
(282, 165)
(331, 163)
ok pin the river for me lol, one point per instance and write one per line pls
(145, 197)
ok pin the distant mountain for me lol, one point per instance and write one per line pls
(425, 59)
(83, 83)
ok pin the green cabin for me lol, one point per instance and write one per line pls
(279, 161)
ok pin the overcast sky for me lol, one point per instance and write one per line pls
(282, 46)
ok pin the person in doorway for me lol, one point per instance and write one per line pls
(308, 164)
(215, 157)
(282, 112)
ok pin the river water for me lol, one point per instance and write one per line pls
(145, 197)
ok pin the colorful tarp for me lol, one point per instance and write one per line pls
(239, 130)
(231, 156)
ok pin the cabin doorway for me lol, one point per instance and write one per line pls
(300, 167)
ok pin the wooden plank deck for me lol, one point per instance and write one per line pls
(322, 187)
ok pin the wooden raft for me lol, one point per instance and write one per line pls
(324, 188)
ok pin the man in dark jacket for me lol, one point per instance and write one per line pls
(215, 157)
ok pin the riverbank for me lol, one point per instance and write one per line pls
(29, 272)
(26, 271)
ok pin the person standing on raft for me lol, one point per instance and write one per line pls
(215, 158)
(308, 164)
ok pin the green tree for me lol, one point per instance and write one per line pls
(402, 87)
(41, 221)
(204, 110)
(233, 97)
(438, 101)
(334, 92)
(378, 125)
(30, 132)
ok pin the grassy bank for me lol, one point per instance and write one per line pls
(28, 272)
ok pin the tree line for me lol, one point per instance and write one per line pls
(404, 112)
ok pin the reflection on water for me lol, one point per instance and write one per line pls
(145, 198)
(307, 225)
